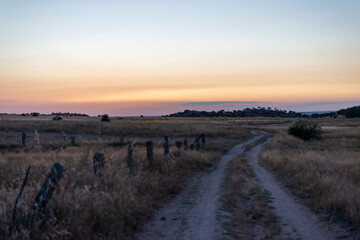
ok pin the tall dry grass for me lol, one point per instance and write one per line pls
(325, 172)
(110, 205)
(147, 127)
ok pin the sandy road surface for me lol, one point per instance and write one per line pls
(193, 213)
(297, 221)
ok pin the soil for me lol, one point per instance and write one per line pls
(194, 213)
(297, 221)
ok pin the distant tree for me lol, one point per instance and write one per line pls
(105, 118)
(247, 112)
(35, 114)
(353, 112)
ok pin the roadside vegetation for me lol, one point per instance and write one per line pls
(251, 215)
(109, 205)
(117, 200)
(324, 173)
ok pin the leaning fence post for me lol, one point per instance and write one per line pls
(72, 138)
(23, 139)
(48, 186)
(166, 145)
(98, 161)
(130, 153)
(46, 191)
(149, 152)
(17, 199)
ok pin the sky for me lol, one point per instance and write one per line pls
(128, 58)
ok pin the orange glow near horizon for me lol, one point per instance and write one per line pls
(263, 85)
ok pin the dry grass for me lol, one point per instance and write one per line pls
(325, 172)
(115, 203)
(147, 127)
(109, 205)
(252, 217)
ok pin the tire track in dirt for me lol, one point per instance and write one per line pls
(297, 221)
(193, 213)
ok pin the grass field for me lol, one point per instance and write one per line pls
(116, 202)
(325, 173)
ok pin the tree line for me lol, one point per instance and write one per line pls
(266, 112)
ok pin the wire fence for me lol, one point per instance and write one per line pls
(73, 171)
(76, 170)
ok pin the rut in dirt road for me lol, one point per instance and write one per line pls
(297, 220)
(193, 213)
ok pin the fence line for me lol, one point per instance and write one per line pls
(53, 178)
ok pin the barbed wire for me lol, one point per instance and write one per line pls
(72, 169)
(78, 170)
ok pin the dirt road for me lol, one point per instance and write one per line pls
(297, 221)
(193, 213)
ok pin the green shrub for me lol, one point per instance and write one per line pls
(105, 118)
(305, 130)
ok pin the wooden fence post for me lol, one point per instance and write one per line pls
(197, 141)
(48, 187)
(166, 145)
(17, 199)
(98, 161)
(178, 144)
(202, 136)
(72, 139)
(122, 139)
(186, 145)
(130, 153)
(23, 139)
(149, 152)
(192, 147)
